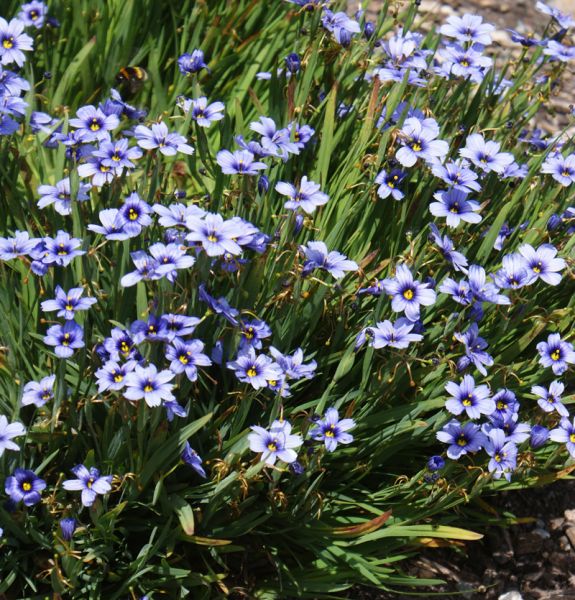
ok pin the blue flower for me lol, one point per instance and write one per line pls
(486, 155)
(385, 333)
(59, 195)
(447, 249)
(116, 155)
(38, 393)
(60, 250)
(292, 366)
(170, 258)
(19, 245)
(514, 274)
(33, 13)
(556, 353)
(503, 454)
(239, 162)
(388, 184)
(276, 443)
(306, 195)
(192, 458)
(67, 303)
(149, 384)
(549, 399)
(332, 430)
(565, 434)
(539, 436)
(561, 168)
(65, 338)
(68, 527)
(186, 356)
(419, 141)
(254, 369)
(505, 404)
(13, 42)
(203, 114)
(112, 376)
(407, 294)
(7, 432)
(146, 269)
(93, 124)
(468, 398)
(220, 305)
(192, 63)
(215, 235)
(468, 28)
(435, 463)
(113, 225)
(159, 137)
(24, 485)
(563, 19)
(252, 332)
(475, 347)
(318, 257)
(274, 141)
(455, 207)
(89, 482)
(461, 438)
(543, 263)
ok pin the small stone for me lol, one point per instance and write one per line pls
(542, 533)
(556, 524)
(570, 533)
(513, 595)
(564, 543)
(570, 515)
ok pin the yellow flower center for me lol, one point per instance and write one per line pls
(467, 401)
(124, 348)
(272, 446)
(148, 388)
(212, 238)
(69, 307)
(89, 483)
(132, 214)
(464, 63)
(118, 378)
(497, 458)
(8, 43)
(249, 333)
(501, 405)
(251, 372)
(416, 147)
(461, 441)
(104, 169)
(408, 294)
(572, 438)
(183, 359)
(537, 268)
(94, 125)
(556, 354)
(26, 486)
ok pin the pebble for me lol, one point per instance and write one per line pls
(556, 524)
(542, 533)
(569, 515)
(570, 533)
(513, 595)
